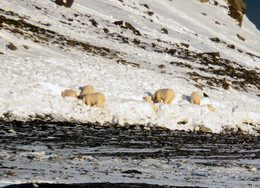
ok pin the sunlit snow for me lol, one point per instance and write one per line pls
(32, 78)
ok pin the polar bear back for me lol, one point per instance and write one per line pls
(195, 98)
(167, 95)
(94, 99)
(86, 90)
(69, 93)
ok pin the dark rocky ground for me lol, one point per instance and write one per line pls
(170, 142)
(88, 185)
(134, 141)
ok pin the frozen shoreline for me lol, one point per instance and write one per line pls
(66, 153)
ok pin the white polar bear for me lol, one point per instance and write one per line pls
(94, 99)
(195, 98)
(86, 90)
(167, 95)
(69, 93)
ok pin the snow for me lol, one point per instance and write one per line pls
(32, 79)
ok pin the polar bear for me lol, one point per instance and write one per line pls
(149, 99)
(69, 93)
(86, 90)
(195, 98)
(167, 95)
(94, 99)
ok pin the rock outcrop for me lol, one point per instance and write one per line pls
(237, 9)
(65, 3)
(204, 1)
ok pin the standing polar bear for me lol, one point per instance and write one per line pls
(86, 90)
(167, 95)
(195, 98)
(94, 99)
(69, 93)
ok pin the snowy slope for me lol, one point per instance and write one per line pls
(65, 48)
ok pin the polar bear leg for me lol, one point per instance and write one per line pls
(89, 103)
(159, 99)
(100, 105)
(168, 100)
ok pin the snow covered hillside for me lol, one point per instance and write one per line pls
(128, 49)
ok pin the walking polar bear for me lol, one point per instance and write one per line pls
(167, 95)
(195, 98)
(69, 93)
(86, 90)
(94, 99)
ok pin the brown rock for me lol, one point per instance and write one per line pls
(226, 85)
(238, 5)
(11, 46)
(118, 22)
(240, 37)
(236, 10)
(65, 3)
(205, 129)
(163, 30)
(129, 26)
(204, 1)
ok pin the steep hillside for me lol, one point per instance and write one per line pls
(128, 49)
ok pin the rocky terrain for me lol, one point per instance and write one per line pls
(212, 70)
(134, 156)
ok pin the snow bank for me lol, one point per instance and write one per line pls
(32, 78)
(26, 95)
